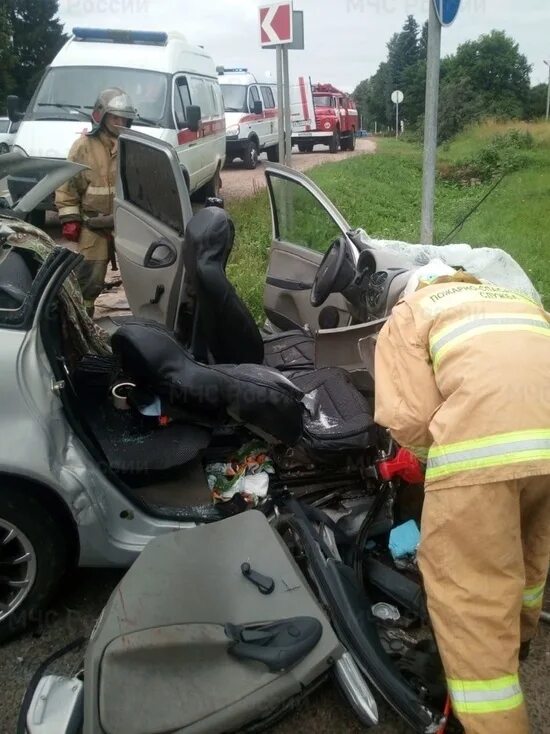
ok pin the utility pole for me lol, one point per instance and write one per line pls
(548, 97)
(430, 127)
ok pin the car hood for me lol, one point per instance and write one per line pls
(50, 172)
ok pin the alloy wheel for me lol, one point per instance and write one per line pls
(17, 568)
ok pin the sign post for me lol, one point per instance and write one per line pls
(442, 12)
(397, 98)
(282, 28)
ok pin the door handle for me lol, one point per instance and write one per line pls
(161, 254)
(159, 291)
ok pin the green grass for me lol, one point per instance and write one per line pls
(382, 194)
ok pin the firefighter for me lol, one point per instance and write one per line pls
(85, 203)
(462, 381)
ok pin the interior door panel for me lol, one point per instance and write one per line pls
(305, 223)
(291, 273)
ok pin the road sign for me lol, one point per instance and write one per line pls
(397, 97)
(276, 24)
(446, 10)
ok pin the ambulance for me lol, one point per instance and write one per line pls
(173, 85)
(251, 116)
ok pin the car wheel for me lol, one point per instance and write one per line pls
(273, 154)
(37, 218)
(305, 147)
(334, 145)
(251, 155)
(212, 188)
(33, 559)
(4, 148)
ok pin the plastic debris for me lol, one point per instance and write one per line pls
(246, 473)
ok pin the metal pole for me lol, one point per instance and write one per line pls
(548, 98)
(430, 127)
(397, 120)
(280, 104)
(288, 127)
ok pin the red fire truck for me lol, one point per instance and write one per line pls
(336, 119)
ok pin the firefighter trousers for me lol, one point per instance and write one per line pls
(484, 557)
(91, 278)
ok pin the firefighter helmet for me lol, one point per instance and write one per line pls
(113, 101)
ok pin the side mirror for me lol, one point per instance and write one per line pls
(258, 108)
(194, 116)
(14, 113)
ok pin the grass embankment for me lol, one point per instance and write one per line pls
(382, 194)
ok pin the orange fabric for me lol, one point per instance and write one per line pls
(465, 362)
(481, 547)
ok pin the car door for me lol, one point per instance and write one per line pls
(305, 223)
(152, 209)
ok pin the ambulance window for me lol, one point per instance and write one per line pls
(217, 108)
(200, 96)
(182, 100)
(269, 100)
(254, 96)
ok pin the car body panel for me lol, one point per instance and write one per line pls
(141, 220)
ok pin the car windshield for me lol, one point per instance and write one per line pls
(234, 97)
(4, 125)
(69, 93)
(323, 101)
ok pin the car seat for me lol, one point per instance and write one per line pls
(216, 324)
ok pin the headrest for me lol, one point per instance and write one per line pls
(209, 237)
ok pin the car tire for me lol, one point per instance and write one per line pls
(273, 154)
(305, 147)
(212, 188)
(4, 148)
(251, 155)
(28, 530)
(334, 145)
(37, 218)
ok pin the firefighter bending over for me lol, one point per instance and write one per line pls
(462, 381)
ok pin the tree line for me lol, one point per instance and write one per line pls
(488, 77)
(30, 36)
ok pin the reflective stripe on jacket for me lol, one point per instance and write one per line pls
(462, 379)
(91, 192)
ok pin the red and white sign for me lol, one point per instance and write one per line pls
(276, 24)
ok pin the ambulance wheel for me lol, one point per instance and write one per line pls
(212, 188)
(305, 147)
(251, 155)
(334, 145)
(273, 154)
(4, 148)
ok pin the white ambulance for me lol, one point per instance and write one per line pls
(173, 85)
(251, 116)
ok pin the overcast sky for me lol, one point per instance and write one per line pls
(345, 39)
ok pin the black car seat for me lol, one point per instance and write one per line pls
(321, 410)
(216, 324)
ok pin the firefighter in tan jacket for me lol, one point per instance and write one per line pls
(85, 203)
(462, 380)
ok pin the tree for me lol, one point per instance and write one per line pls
(361, 96)
(37, 35)
(6, 58)
(536, 106)
(496, 70)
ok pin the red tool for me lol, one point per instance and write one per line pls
(404, 466)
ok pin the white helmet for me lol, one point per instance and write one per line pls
(425, 275)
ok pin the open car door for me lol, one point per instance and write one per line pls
(305, 223)
(152, 209)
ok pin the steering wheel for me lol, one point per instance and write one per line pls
(328, 272)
